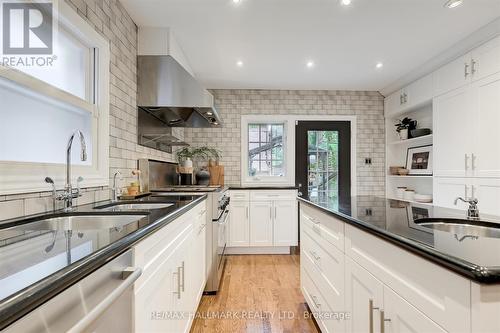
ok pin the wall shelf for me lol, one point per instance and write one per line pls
(416, 140)
(412, 201)
(410, 177)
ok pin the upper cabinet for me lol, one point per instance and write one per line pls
(481, 62)
(410, 97)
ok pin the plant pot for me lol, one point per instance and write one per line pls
(187, 163)
(203, 177)
(403, 134)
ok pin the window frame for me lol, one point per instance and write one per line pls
(26, 177)
(288, 151)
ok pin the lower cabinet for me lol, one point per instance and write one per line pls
(173, 261)
(261, 223)
(239, 228)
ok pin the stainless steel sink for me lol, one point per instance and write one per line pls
(134, 206)
(462, 226)
(81, 222)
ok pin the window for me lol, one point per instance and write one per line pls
(43, 105)
(265, 150)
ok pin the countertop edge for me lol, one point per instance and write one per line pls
(28, 299)
(245, 188)
(480, 274)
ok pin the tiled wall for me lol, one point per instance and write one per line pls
(111, 20)
(367, 106)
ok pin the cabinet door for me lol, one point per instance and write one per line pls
(486, 59)
(419, 92)
(392, 104)
(487, 192)
(285, 223)
(261, 223)
(239, 233)
(453, 75)
(364, 298)
(485, 160)
(453, 144)
(399, 316)
(446, 190)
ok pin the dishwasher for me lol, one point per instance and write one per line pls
(100, 302)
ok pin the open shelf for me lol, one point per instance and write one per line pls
(411, 201)
(416, 140)
(409, 176)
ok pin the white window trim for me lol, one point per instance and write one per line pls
(289, 179)
(26, 177)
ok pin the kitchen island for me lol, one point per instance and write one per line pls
(374, 261)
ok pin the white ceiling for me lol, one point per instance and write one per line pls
(275, 38)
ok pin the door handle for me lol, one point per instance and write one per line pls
(466, 161)
(178, 273)
(275, 212)
(383, 320)
(247, 213)
(466, 70)
(473, 67)
(183, 275)
(473, 161)
(370, 315)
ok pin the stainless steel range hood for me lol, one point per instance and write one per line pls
(169, 93)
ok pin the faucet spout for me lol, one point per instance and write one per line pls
(83, 156)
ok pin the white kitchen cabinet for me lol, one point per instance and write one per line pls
(453, 134)
(487, 192)
(486, 59)
(364, 298)
(392, 104)
(398, 316)
(485, 136)
(410, 97)
(446, 190)
(239, 228)
(453, 75)
(261, 223)
(285, 223)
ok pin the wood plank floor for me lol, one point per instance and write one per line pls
(259, 293)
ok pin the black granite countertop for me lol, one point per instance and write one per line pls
(475, 256)
(38, 261)
(263, 187)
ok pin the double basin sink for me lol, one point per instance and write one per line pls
(103, 218)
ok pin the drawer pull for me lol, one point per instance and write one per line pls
(370, 315)
(383, 320)
(316, 303)
(315, 256)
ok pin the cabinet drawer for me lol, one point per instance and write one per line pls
(327, 270)
(239, 195)
(327, 227)
(440, 294)
(265, 195)
(319, 307)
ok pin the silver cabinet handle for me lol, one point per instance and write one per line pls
(275, 212)
(405, 98)
(82, 325)
(473, 67)
(383, 320)
(370, 315)
(178, 273)
(183, 270)
(473, 161)
(271, 212)
(315, 301)
(466, 70)
(400, 99)
(466, 160)
(247, 213)
(315, 255)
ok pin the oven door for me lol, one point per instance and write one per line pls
(221, 226)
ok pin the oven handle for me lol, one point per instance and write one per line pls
(221, 216)
(130, 276)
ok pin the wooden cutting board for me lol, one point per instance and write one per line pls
(216, 175)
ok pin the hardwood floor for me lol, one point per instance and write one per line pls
(259, 293)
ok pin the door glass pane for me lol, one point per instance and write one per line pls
(322, 168)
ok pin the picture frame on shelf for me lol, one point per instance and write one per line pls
(419, 160)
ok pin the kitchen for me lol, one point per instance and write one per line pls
(250, 165)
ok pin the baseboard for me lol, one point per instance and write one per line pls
(259, 250)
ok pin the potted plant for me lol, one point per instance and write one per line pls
(184, 156)
(404, 126)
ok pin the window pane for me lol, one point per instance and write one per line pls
(265, 150)
(38, 128)
(70, 70)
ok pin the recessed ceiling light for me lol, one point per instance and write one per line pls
(346, 2)
(310, 64)
(453, 3)
(379, 65)
(239, 63)
(236, 1)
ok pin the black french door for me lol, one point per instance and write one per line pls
(323, 161)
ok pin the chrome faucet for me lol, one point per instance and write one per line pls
(69, 194)
(472, 211)
(114, 189)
